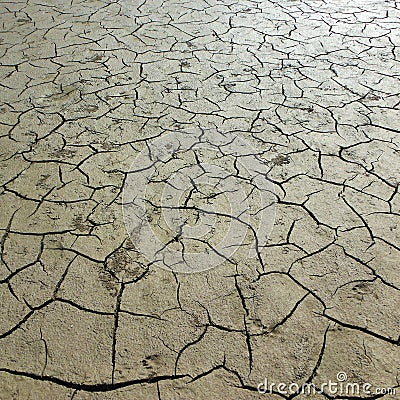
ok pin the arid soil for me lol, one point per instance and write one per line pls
(197, 196)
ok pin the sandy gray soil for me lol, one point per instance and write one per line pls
(306, 285)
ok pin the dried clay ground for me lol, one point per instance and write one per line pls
(311, 86)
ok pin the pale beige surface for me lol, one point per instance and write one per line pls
(313, 86)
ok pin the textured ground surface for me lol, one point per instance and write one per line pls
(313, 86)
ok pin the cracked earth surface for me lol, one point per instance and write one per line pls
(86, 86)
